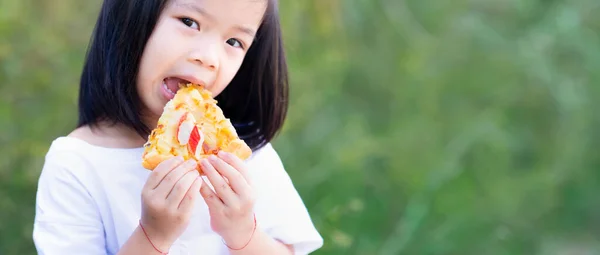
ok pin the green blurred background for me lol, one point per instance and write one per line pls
(416, 126)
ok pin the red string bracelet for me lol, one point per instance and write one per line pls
(253, 230)
(147, 237)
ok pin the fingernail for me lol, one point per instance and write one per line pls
(191, 163)
(212, 158)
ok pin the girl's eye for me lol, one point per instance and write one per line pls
(234, 42)
(190, 22)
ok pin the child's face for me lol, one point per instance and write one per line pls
(198, 41)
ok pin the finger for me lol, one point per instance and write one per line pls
(161, 170)
(187, 203)
(236, 163)
(166, 185)
(212, 200)
(236, 180)
(181, 188)
(222, 188)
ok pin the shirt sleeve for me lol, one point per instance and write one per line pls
(279, 208)
(66, 219)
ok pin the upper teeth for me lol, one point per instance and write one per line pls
(167, 88)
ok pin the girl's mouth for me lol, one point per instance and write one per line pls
(171, 85)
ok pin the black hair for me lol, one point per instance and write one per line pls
(255, 101)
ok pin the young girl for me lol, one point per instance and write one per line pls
(93, 195)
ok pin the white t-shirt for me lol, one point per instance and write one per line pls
(88, 202)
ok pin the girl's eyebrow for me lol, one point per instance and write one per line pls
(203, 12)
(197, 9)
(246, 30)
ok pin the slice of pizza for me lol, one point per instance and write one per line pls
(193, 126)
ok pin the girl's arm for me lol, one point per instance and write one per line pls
(231, 207)
(261, 243)
(167, 201)
(138, 243)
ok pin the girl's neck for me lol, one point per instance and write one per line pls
(108, 135)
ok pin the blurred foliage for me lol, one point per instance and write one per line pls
(416, 127)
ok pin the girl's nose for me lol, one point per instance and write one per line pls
(206, 55)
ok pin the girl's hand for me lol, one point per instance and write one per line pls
(168, 199)
(231, 206)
